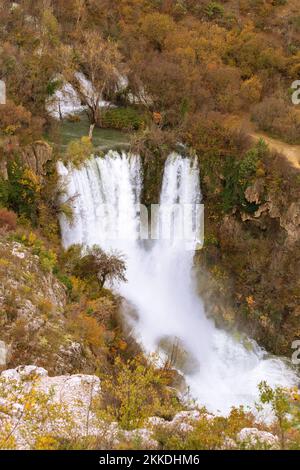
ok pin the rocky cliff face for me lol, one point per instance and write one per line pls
(33, 325)
(250, 266)
(34, 156)
(287, 213)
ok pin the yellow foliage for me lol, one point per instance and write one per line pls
(89, 330)
(46, 443)
(31, 180)
(250, 301)
(136, 392)
(251, 90)
(78, 151)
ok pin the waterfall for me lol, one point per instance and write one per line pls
(219, 370)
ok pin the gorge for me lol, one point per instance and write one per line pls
(106, 191)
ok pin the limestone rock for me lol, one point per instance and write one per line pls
(253, 437)
(255, 192)
(36, 156)
(288, 212)
(142, 436)
(75, 393)
(290, 221)
(4, 353)
(24, 373)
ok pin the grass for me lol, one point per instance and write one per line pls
(103, 139)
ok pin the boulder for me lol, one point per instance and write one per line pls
(71, 396)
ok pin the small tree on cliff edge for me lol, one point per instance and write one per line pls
(100, 62)
(105, 266)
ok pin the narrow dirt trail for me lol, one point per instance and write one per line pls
(291, 152)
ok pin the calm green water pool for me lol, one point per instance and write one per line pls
(102, 138)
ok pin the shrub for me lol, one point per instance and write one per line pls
(214, 10)
(275, 116)
(74, 118)
(125, 119)
(238, 176)
(285, 406)
(277, 3)
(210, 433)
(18, 125)
(102, 266)
(65, 280)
(295, 21)
(21, 191)
(8, 220)
(78, 151)
(48, 258)
(88, 330)
(251, 90)
(136, 391)
(156, 27)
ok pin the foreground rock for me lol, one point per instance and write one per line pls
(38, 411)
(32, 405)
(33, 325)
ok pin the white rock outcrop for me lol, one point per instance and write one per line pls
(72, 396)
(34, 405)
(253, 437)
(3, 354)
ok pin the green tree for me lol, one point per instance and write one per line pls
(136, 391)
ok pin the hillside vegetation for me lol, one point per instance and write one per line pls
(168, 72)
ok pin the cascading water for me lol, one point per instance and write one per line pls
(219, 370)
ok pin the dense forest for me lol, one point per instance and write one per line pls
(215, 78)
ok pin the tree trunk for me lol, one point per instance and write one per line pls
(92, 127)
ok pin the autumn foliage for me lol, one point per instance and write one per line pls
(8, 220)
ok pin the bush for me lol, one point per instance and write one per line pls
(275, 116)
(125, 119)
(21, 191)
(210, 433)
(277, 3)
(101, 266)
(88, 330)
(135, 392)
(285, 406)
(238, 176)
(8, 220)
(18, 125)
(78, 151)
(48, 258)
(214, 10)
(74, 118)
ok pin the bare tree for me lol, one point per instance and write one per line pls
(105, 266)
(95, 67)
